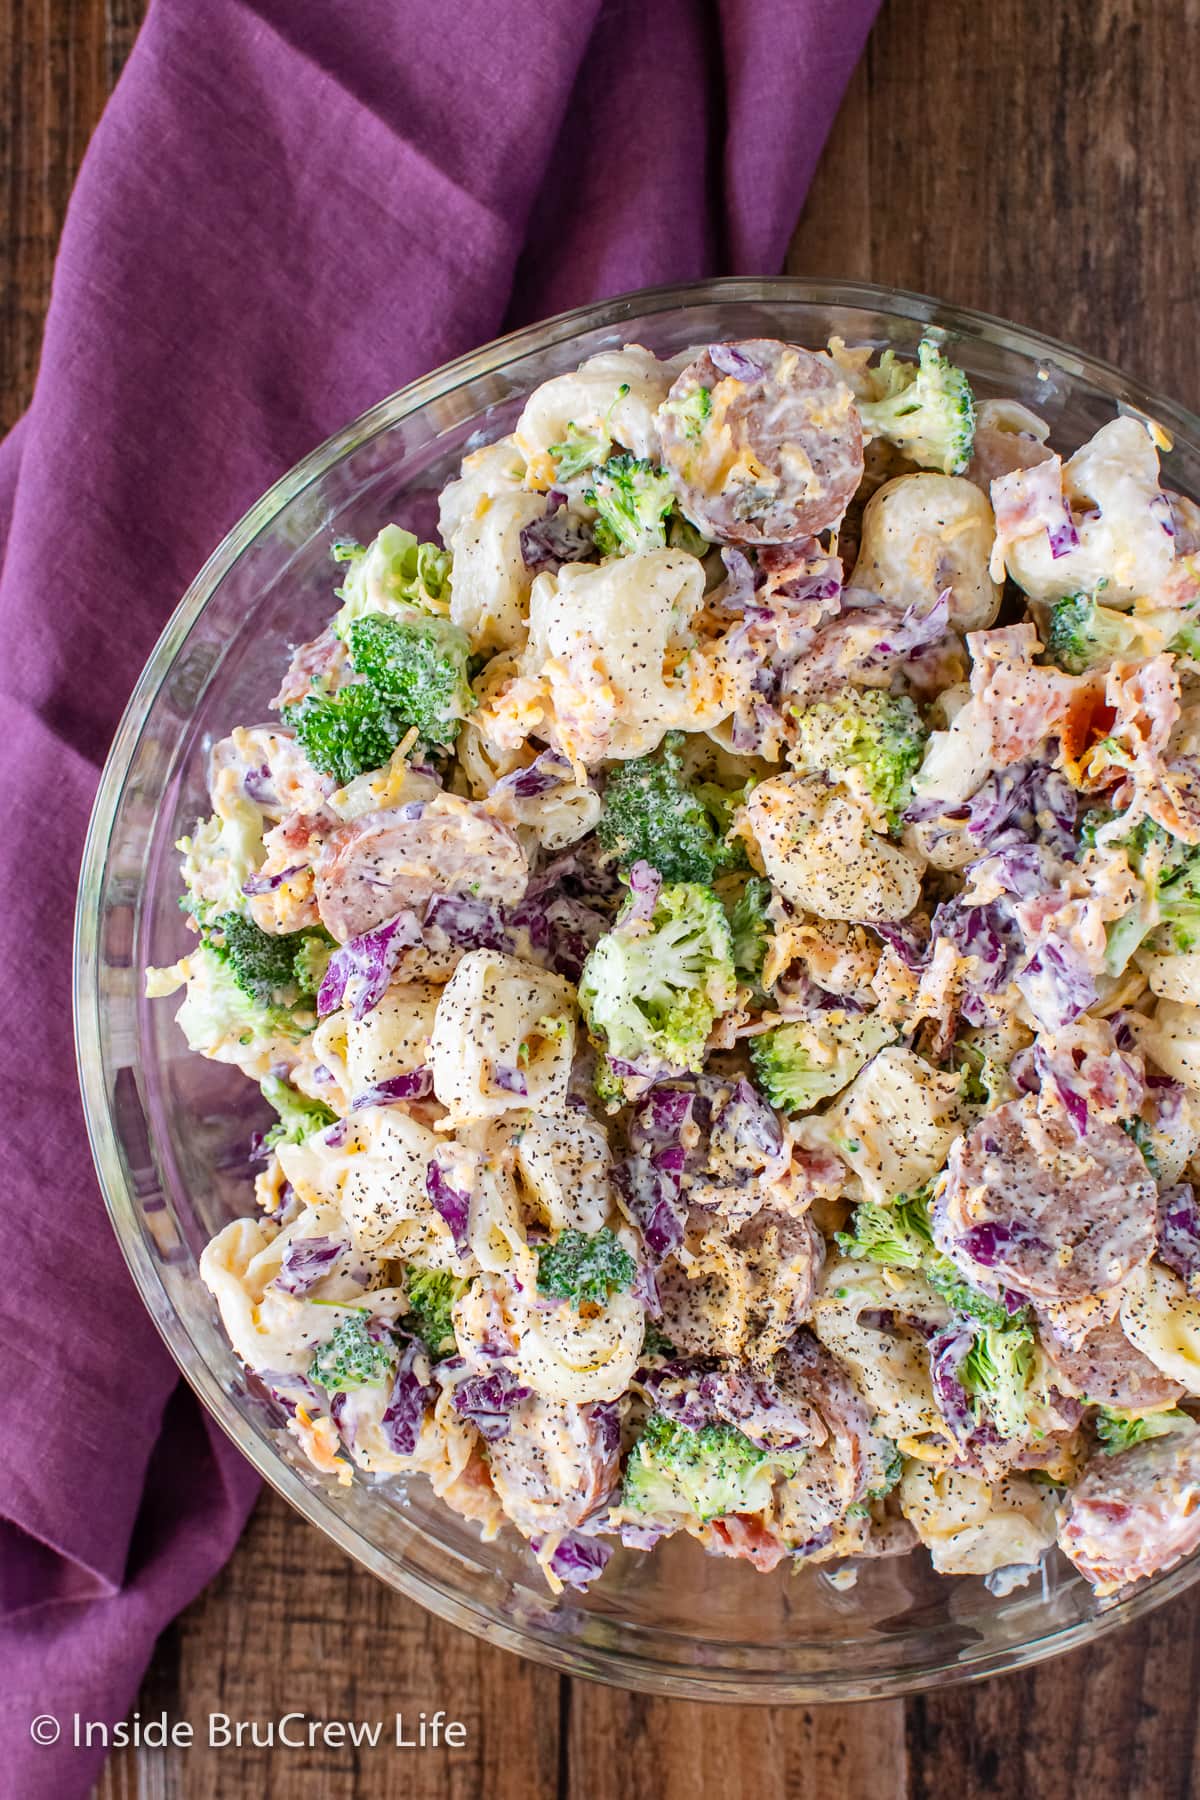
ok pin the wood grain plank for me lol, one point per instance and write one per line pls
(626, 1746)
(1034, 161)
(1116, 1718)
(293, 1626)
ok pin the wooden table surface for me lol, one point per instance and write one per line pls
(1040, 161)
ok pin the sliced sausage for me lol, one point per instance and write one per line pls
(1030, 1203)
(1107, 1370)
(373, 867)
(1133, 1515)
(775, 451)
(555, 1464)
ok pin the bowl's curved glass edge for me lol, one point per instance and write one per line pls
(765, 1687)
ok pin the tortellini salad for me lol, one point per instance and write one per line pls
(720, 933)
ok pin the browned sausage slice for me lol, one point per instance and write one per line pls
(1108, 1370)
(773, 453)
(1031, 1204)
(374, 867)
(1133, 1515)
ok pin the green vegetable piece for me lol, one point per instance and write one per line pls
(650, 814)
(217, 1010)
(579, 450)
(580, 1267)
(656, 1343)
(394, 570)
(1143, 1137)
(419, 666)
(299, 1116)
(311, 961)
(926, 409)
(1081, 634)
(352, 1358)
(655, 990)
(899, 1236)
(1119, 1431)
(263, 963)
(893, 1469)
(431, 1294)
(807, 1060)
(750, 929)
(692, 413)
(707, 1473)
(872, 740)
(996, 1373)
(347, 733)
(633, 500)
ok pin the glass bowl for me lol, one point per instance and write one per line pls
(170, 1131)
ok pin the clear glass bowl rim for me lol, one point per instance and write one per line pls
(623, 1668)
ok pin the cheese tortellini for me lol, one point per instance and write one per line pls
(616, 648)
(924, 534)
(895, 1123)
(1162, 1320)
(503, 1038)
(973, 1526)
(482, 517)
(819, 851)
(877, 1324)
(613, 396)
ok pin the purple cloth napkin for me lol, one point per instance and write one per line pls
(286, 212)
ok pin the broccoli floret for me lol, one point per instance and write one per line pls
(1142, 1136)
(708, 1473)
(346, 733)
(352, 1358)
(653, 988)
(419, 666)
(891, 1471)
(750, 929)
(1177, 896)
(650, 814)
(899, 1235)
(311, 961)
(263, 963)
(692, 412)
(1186, 641)
(986, 1082)
(1168, 912)
(1082, 634)
(579, 1266)
(431, 1295)
(217, 1012)
(580, 450)
(299, 1116)
(219, 855)
(995, 1372)
(806, 1061)
(633, 499)
(944, 1277)
(394, 570)
(926, 409)
(872, 739)
(1119, 1431)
